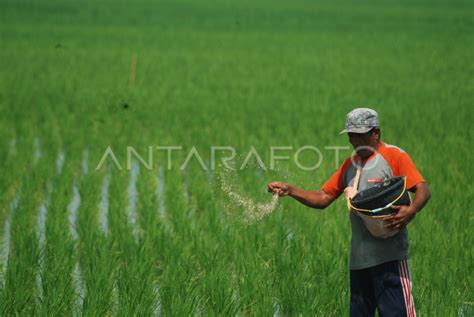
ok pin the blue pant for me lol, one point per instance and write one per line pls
(386, 287)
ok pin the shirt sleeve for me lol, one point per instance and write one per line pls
(407, 168)
(334, 186)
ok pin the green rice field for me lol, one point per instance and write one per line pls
(166, 239)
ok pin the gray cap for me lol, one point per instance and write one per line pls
(361, 120)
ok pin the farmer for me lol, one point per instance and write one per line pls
(379, 271)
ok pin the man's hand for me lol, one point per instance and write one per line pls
(405, 214)
(279, 188)
(401, 218)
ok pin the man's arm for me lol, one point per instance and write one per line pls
(422, 195)
(312, 198)
(315, 199)
(405, 214)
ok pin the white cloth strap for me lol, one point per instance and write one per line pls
(357, 178)
(351, 191)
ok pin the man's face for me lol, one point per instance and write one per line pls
(364, 143)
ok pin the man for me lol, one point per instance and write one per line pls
(379, 273)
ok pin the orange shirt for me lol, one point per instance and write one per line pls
(398, 161)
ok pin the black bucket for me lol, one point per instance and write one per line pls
(374, 201)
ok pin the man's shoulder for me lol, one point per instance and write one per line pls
(391, 152)
(396, 157)
(394, 148)
(348, 162)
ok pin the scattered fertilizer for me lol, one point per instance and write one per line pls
(253, 211)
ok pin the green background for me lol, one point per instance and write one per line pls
(236, 73)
